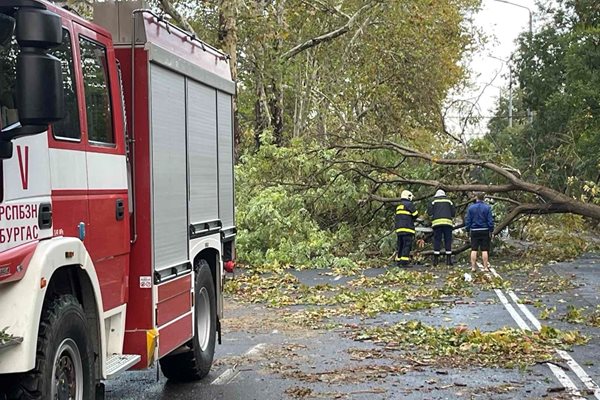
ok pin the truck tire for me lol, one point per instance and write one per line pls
(194, 363)
(64, 360)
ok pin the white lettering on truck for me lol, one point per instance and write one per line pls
(19, 233)
(18, 223)
(12, 212)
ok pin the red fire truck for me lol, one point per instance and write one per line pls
(116, 213)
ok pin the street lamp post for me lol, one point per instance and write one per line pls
(510, 97)
(529, 116)
(528, 10)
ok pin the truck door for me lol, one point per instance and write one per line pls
(66, 142)
(108, 230)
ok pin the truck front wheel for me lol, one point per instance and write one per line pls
(195, 363)
(64, 361)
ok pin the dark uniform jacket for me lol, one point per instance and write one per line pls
(441, 210)
(406, 213)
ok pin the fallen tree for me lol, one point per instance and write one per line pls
(541, 199)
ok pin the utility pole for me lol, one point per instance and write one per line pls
(528, 10)
(510, 81)
(510, 97)
(529, 115)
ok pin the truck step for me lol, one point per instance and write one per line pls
(12, 341)
(118, 363)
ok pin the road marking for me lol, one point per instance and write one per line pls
(227, 376)
(575, 367)
(511, 310)
(565, 381)
(525, 310)
(231, 373)
(580, 372)
(492, 270)
(256, 349)
(559, 373)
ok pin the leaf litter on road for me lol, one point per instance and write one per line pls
(505, 347)
(410, 345)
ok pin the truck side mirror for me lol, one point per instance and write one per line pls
(39, 89)
(39, 86)
(7, 28)
(38, 28)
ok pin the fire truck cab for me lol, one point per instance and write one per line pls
(117, 198)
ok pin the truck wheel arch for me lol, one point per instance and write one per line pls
(211, 255)
(85, 286)
(47, 267)
(80, 286)
(208, 249)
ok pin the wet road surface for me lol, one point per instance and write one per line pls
(265, 357)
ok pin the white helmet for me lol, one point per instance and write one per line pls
(440, 193)
(407, 194)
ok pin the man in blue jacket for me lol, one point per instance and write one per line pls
(480, 223)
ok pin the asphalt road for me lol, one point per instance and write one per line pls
(262, 357)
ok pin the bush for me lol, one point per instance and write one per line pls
(559, 237)
(296, 209)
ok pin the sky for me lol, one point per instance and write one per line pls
(501, 23)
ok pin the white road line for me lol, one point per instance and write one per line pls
(493, 271)
(575, 367)
(566, 381)
(256, 349)
(558, 372)
(525, 310)
(511, 310)
(231, 373)
(226, 377)
(580, 372)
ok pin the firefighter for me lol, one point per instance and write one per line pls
(406, 214)
(442, 211)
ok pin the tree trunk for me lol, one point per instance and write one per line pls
(228, 39)
(262, 117)
(276, 99)
(551, 201)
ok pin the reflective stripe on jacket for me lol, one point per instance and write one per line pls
(406, 213)
(442, 211)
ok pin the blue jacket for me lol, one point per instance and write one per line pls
(479, 217)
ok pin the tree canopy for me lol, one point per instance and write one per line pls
(559, 77)
(341, 105)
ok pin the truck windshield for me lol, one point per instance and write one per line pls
(8, 62)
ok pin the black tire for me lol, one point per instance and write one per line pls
(195, 363)
(63, 327)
